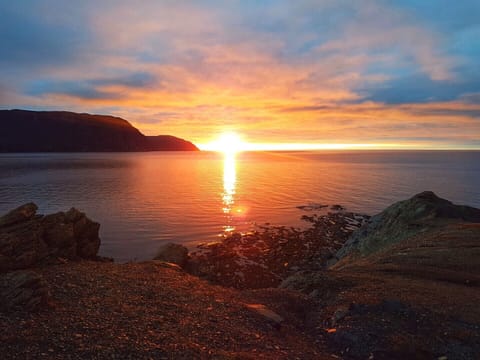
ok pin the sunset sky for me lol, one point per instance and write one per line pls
(368, 73)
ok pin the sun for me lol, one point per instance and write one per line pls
(228, 143)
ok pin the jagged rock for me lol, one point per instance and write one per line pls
(405, 219)
(58, 234)
(173, 253)
(27, 239)
(22, 245)
(85, 232)
(22, 290)
(22, 213)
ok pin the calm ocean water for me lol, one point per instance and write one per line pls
(145, 199)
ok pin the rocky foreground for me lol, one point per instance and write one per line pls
(404, 284)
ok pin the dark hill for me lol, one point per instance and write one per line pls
(62, 131)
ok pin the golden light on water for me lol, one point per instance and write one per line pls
(229, 182)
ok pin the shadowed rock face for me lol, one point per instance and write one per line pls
(27, 239)
(404, 219)
(61, 131)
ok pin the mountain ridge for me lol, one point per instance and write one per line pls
(65, 131)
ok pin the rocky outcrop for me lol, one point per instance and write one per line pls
(265, 257)
(63, 131)
(404, 284)
(172, 253)
(22, 213)
(423, 212)
(22, 290)
(28, 239)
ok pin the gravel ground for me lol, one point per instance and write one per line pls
(153, 310)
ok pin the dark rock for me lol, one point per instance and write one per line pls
(27, 239)
(22, 290)
(22, 245)
(58, 234)
(72, 234)
(173, 253)
(85, 232)
(22, 213)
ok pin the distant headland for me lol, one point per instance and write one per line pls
(63, 131)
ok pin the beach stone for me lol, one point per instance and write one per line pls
(172, 253)
(22, 290)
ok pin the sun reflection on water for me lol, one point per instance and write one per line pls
(229, 183)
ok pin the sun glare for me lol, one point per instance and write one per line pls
(231, 143)
(228, 143)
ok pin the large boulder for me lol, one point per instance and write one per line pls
(27, 239)
(172, 253)
(404, 219)
(22, 290)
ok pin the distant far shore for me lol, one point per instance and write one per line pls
(25, 131)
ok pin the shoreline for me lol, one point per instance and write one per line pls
(401, 286)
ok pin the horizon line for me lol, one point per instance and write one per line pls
(250, 147)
